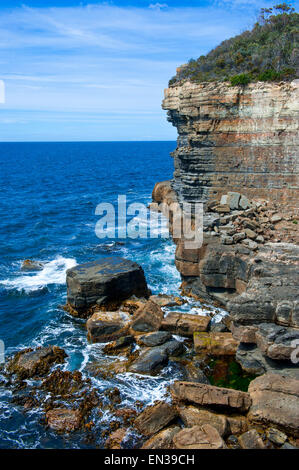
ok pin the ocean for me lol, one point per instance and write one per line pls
(49, 194)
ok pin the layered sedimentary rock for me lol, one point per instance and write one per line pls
(237, 154)
(238, 138)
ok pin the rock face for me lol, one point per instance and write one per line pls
(241, 139)
(104, 282)
(208, 395)
(275, 401)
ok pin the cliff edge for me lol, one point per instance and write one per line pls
(235, 139)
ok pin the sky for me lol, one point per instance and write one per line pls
(90, 70)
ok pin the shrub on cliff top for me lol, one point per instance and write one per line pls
(269, 52)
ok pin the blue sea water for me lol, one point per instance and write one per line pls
(49, 193)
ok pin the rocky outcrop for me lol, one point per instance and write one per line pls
(275, 401)
(63, 419)
(215, 344)
(208, 395)
(243, 139)
(103, 283)
(35, 363)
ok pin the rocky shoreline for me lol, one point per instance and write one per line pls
(144, 334)
(232, 383)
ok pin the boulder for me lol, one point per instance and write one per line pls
(31, 363)
(154, 339)
(233, 199)
(192, 372)
(250, 233)
(154, 418)
(275, 402)
(216, 344)
(244, 202)
(147, 318)
(63, 419)
(150, 362)
(251, 440)
(209, 395)
(107, 281)
(30, 265)
(199, 437)
(107, 326)
(153, 359)
(162, 440)
(120, 345)
(185, 324)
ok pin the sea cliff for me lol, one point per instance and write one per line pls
(235, 139)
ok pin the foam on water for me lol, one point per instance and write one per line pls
(53, 272)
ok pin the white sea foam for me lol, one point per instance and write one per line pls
(53, 273)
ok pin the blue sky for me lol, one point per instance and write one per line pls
(89, 70)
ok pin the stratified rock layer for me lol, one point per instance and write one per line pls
(243, 139)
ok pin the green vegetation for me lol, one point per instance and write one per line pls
(226, 372)
(269, 52)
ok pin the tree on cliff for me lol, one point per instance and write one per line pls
(269, 52)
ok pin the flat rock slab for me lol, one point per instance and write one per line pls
(275, 400)
(185, 324)
(199, 437)
(209, 395)
(216, 344)
(154, 339)
(103, 282)
(63, 419)
(154, 418)
(107, 326)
